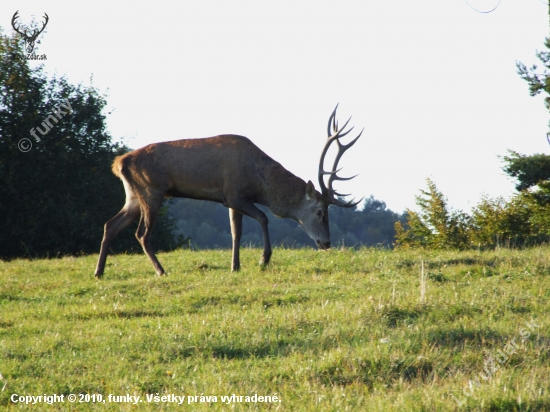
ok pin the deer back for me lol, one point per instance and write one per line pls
(215, 168)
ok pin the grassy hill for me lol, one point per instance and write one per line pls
(344, 330)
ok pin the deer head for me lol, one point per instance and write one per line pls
(29, 40)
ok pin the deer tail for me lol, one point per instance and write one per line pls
(117, 166)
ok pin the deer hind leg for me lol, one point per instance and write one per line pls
(150, 207)
(248, 208)
(236, 221)
(127, 215)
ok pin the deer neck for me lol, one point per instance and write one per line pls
(284, 192)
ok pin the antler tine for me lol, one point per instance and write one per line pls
(348, 204)
(335, 193)
(338, 131)
(334, 177)
(331, 173)
(347, 146)
(331, 121)
(343, 178)
(337, 202)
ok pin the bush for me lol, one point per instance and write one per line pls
(435, 226)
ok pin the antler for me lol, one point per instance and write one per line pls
(36, 31)
(15, 16)
(35, 35)
(329, 194)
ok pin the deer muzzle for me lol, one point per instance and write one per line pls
(323, 245)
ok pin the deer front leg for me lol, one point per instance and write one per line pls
(266, 256)
(236, 221)
(247, 208)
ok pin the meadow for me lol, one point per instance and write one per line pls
(344, 330)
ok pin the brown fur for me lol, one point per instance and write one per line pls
(116, 166)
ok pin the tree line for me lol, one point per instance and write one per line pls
(207, 225)
(521, 221)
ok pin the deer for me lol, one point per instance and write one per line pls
(233, 171)
(29, 40)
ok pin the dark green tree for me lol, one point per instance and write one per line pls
(56, 195)
(532, 173)
(528, 170)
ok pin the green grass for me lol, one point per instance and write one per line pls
(336, 331)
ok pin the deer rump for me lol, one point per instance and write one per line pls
(227, 169)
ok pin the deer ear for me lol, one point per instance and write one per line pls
(310, 190)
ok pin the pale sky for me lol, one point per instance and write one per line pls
(433, 82)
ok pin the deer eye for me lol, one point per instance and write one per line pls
(319, 213)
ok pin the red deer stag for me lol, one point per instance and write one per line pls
(227, 169)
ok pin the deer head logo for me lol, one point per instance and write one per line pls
(29, 40)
